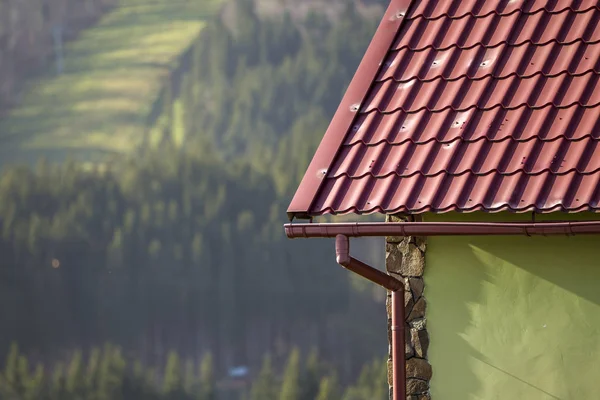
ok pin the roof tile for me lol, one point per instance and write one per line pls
(477, 105)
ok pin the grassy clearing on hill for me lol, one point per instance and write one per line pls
(113, 74)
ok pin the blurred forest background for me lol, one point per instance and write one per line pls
(142, 254)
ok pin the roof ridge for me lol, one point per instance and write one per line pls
(500, 14)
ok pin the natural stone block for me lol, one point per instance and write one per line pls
(393, 258)
(420, 342)
(394, 239)
(413, 261)
(417, 285)
(390, 372)
(416, 386)
(418, 368)
(405, 259)
(418, 324)
(420, 242)
(409, 350)
(408, 303)
(423, 396)
(418, 310)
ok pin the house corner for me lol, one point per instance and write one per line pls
(405, 259)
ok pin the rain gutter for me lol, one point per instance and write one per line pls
(313, 230)
(342, 232)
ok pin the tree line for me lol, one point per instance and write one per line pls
(167, 252)
(107, 374)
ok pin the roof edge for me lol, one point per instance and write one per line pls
(348, 108)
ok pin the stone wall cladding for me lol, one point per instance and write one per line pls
(405, 260)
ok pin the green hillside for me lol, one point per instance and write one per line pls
(113, 75)
(179, 247)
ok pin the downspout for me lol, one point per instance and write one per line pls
(342, 252)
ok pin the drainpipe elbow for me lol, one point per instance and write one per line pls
(342, 250)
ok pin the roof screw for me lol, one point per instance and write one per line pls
(355, 128)
(354, 107)
(399, 14)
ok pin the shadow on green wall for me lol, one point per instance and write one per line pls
(450, 354)
(489, 301)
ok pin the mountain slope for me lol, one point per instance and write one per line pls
(112, 76)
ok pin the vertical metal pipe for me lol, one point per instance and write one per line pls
(398, 343)
(342, 252)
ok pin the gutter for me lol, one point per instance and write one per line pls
(313, 230)
(342, 232)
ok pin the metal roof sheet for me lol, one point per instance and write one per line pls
(466, 106)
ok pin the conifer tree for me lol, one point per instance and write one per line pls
(135, 386)
(311, 377)
(173, 380)
(93, 367)
(34, 387)
(58, 390)
(16, 381)
(112, 374)
(265, 387)
(75, 377)
(207, 378)
(290, 389)
(328, 389)
(12, 383)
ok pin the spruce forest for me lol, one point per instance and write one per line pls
(164, 272)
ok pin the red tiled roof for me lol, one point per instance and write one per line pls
(465, 106)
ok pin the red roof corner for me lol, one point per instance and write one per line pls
(465, 106)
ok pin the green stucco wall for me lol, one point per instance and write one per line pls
(513, 317)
